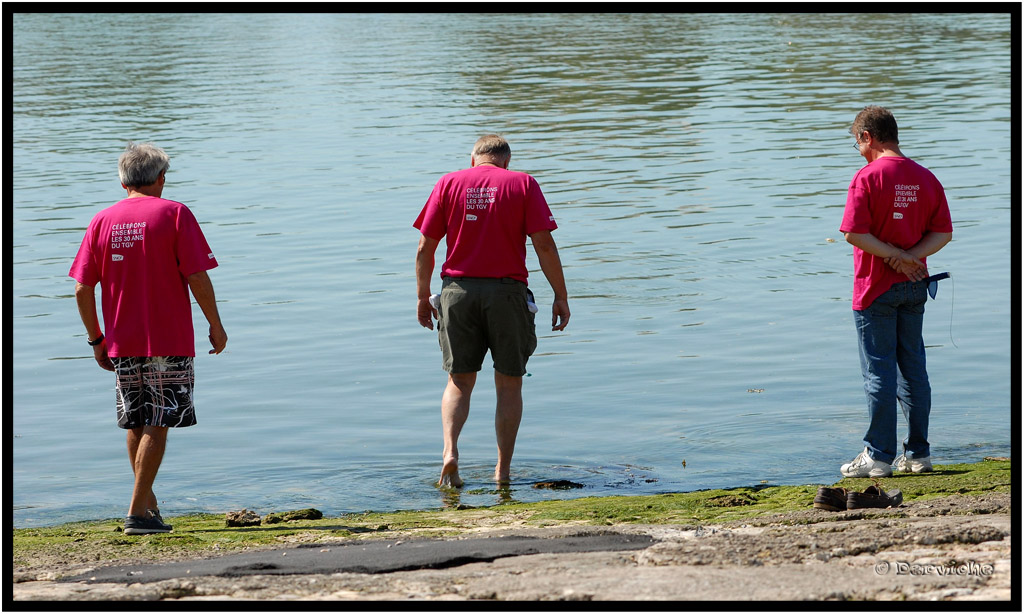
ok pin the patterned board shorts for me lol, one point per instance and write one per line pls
(154, 391)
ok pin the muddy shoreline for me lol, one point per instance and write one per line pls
(953, 548)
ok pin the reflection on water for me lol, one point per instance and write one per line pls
(697, 166)
(451, 498)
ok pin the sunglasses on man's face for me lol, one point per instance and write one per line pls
(933, 283)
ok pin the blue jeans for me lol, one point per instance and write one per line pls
(893, 364)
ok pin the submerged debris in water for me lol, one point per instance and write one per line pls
(558, 485)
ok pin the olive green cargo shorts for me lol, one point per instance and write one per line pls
(479, 314)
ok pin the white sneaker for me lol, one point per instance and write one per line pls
(913, 465)
(865, 467)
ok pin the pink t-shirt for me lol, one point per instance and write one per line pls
(486, 212)
(141, 251)
(898, 201)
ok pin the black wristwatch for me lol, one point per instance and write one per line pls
(97, 341)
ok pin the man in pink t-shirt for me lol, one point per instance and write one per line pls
(146, 252)
(896, 215)
(486, 212)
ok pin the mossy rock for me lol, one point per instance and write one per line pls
(243, 518)
(306, 514)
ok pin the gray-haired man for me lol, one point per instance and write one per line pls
(146, 252)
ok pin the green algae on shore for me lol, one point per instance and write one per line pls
(206, 534)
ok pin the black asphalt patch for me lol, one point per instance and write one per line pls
(369, 557)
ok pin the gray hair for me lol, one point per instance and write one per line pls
(141, 164)
(493, 146)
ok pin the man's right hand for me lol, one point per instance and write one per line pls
(912, 271)
(906, 263)
(425, 313)
(102, 359)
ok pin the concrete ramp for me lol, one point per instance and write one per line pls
(369, 557)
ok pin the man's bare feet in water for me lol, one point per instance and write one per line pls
(450, 474)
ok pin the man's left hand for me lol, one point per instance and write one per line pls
(907, 264)
(218, 339)
(559, 314)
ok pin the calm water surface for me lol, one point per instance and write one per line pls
(697, 166)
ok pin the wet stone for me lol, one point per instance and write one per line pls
(306, 514)
(243, 518)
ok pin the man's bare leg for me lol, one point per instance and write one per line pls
(507, 415)
(454, 411)
(134, 437)
(150, 442)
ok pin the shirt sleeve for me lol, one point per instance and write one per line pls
(857, 214)
(941, 220)
(431, 221)
(538, 214)
(85, 269)
(194, 253)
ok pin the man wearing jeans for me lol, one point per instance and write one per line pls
(146, 253)
(486, 212)
(896, 215)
